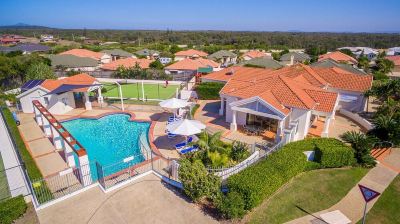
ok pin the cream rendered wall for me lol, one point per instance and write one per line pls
(26, 100)
(105, 59)
(304, 117)
(355, 106)
(229, 112)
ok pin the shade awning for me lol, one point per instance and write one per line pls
(174, 103)
(69, 87)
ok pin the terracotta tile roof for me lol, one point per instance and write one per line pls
(338, 56)
(395, 59)
(190, 64)
(191, 53)
(127, 63)
(84, 53)
(243, 73)
(79, 79)
(345, 80)
(254, 54)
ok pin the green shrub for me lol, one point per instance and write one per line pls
(333, 153)
(209, 90)
(197, 182)
(232, 205)
(194, 109)
(240, 151)
(11, 209)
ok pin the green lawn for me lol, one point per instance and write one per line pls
(313, 191)
(151, 91)
(4, 191)
(386, 209)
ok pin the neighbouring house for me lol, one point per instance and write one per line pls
(287, 102)
(149, 54)
(101, 57)
(46, 38)
(69, 62)
(396, 61)
(165, 60)
(262, 62)
(393, 51)
(127, 63)
(338, 57)
(365, 51)
(191, 54)
(118, 54)
(329, 63)
(254, 54)
(191, 67)
(61, 95)
(292, 58)
(8, 40)
(26, 48)
(224, 57)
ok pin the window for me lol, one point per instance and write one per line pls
(46, 101)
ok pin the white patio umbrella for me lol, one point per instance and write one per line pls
(186, 127)
(174, 104)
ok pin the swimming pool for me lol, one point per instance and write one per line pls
(111, 141)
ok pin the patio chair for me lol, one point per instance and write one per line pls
(181, 145)
(189, 149)
(170, 135)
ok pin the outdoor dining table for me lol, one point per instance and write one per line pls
(254, 129)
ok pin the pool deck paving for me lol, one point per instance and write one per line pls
(352, 205)
(48, 160)
(147, 200)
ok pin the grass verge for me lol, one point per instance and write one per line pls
(4, 191)
(151, 91)
(11, 209)
(311, 192)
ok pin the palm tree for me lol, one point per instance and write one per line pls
(213, 149)
(361, 144)
(386, 128)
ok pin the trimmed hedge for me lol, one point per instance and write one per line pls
(333, 153)
(261, 180)
(209, 90)
(11, 209)
(32, 169)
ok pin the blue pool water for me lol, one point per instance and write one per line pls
(109, 140)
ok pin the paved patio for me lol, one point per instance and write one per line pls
(148, 200)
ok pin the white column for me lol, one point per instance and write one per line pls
(69, 155)
(326, 127)
(38, 116)
(99, 96)
(88, 104)
(46, 126)
(279, 131)
(221, 109)
(57, 140)
(233, 124)
(85, 170)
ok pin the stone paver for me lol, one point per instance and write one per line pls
(352, 205)
(51, 164)
(148, 200)
(340, 125)
(40, 147)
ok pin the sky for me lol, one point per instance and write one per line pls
(235, 15)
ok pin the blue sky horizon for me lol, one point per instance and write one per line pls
(369, 16)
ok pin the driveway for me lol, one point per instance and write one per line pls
(148, 200)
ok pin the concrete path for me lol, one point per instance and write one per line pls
(352, 205)
(147, 200)
(16, 181)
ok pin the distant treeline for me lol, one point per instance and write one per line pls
(263, 40)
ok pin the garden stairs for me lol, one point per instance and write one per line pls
(380, 153)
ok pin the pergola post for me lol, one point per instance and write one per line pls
(85, 170)
(88, 104)
(46, 126)
(279, 131)
(100, 99)
(326, 126)
(57, 140)
(38, 116)
(234, 124)
(221, 109)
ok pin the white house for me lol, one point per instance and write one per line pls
(393, 51)
(59, 96)
(366, 51)
(287, 102)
